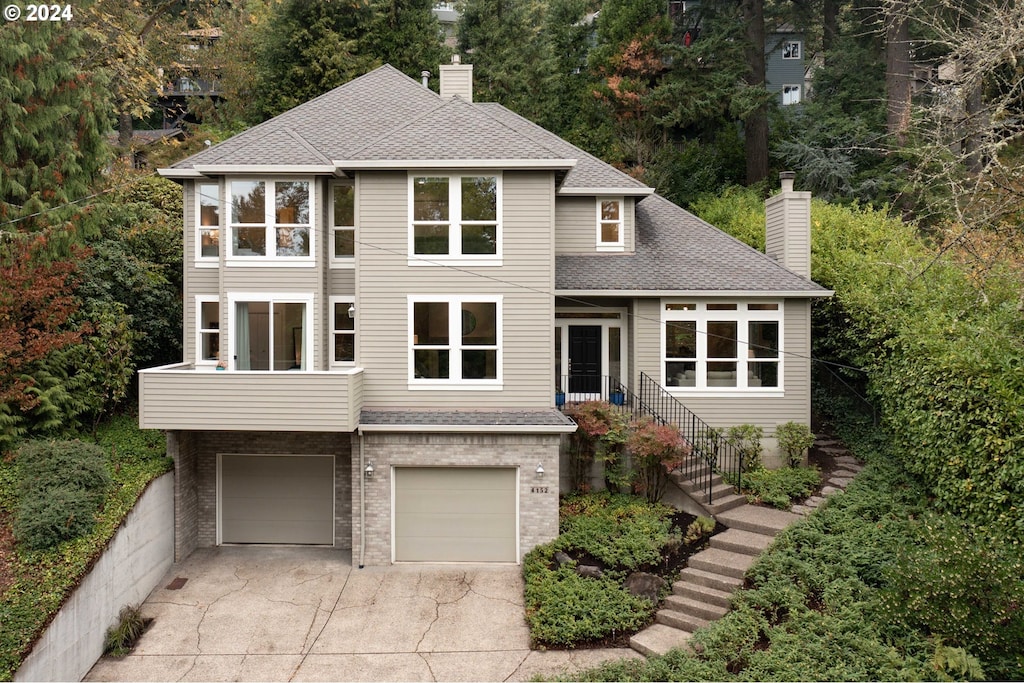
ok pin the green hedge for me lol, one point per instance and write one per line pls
(943, 348)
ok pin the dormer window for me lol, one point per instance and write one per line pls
(455, 217)
(610, 233)
(270, 219)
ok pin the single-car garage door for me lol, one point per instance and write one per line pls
(277, 499)
(455, 514)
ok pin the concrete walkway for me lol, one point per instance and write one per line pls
(304, 614)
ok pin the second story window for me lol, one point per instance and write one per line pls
(455, 216)
(610, 233)
(343, 223)
(207, 330)
(208, 221)
(343, 330)
(271, 219)
(455, 340)
(791, 49)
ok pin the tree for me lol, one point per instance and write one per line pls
(53, 116)
(755, 119)
(406, 35)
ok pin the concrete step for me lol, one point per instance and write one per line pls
(725, 503)
(826, 442)
(692, 485)
(658, 639)
(709, 596)
(696, 608)
(740, 541)
(680, 620)
(718, 491)
(723, 562)
(695, 478)
(760, 520)
(718, 582)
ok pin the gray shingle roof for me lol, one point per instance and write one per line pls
(675, 250)
(548, 417)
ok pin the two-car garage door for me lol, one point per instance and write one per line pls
(455, 514)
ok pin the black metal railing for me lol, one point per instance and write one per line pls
(711, 454)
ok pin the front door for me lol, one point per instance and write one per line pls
(585, 359)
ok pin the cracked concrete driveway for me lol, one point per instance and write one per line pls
(304, 614)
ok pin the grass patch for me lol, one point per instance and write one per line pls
(41, 580)
(618, 535)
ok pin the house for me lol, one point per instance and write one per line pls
(385, 286)
(191, 77)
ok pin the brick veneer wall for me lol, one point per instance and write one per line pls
(538, 512)
(196, 471)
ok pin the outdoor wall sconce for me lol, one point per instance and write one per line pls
(352, 311)
(369, 470)
(540, 470)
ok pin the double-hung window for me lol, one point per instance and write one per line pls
(791, 49)
(343, 330)
(271, 219)
(455, 216)
(207, 223)
(722, 345)
(455, 341)
(610, 233)
(343, 224)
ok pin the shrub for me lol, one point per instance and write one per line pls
(746, 439)
(655, 450)
(601, 434)
(963, 588)
(698, 529)
(617, 529)
(794, 438)
(61, 485)
(780, 488)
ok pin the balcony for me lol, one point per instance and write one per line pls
(181, 397)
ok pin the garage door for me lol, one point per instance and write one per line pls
(454, 514)
(277, 499)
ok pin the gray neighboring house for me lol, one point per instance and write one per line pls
(384, 290)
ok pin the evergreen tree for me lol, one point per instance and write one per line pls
(406, 35)
(53, 118)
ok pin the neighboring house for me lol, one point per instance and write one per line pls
(384, 287)
(190, 77)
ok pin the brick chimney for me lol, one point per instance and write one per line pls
(788, 227)
(457, 79)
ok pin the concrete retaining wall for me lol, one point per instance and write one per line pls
(137, 558)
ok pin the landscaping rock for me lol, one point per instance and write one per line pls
(644, 585)
(841, 482)
(814, 501)
(829, 490)
(801, 510)
(561, 558)
(590, 571)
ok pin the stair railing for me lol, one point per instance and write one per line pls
(712, 452)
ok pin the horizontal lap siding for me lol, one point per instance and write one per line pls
(766, 411)
(576, 218)
(232, 401)
(525, 281)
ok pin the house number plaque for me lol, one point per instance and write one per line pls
(538, 489)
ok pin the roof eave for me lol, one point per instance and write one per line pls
(206, 170)
(605, 191)
(703, 293)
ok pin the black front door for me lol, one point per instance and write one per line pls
(585, 359)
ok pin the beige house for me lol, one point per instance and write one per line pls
(388, 294)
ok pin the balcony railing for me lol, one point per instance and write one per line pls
(713, 454)
(181, 397)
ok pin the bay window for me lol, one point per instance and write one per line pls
(271, 219)
(455, 216)
(454, 340)
(722, 345)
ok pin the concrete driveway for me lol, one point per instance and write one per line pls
(305, 614)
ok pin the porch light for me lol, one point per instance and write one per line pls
(369, 470)
(540, 470)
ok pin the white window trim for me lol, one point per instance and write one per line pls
(351, 300)
(799, 97)
(455, 343)
(742, 316)
(454, 255)
(344, 261)
(605, 324)
(799, 49)
(200, 362)
(269, 224)
(200, 260)
(272, 298)
(620, 244)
